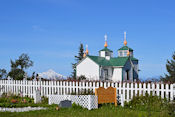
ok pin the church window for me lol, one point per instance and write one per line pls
(121, 53)
(125, 53)
(107, 54)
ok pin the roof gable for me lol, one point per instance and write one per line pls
(84, 59)
(106, 49)
(125, 48)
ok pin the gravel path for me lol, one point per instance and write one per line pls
(24, 109)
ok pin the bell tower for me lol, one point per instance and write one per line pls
(125, 51)
(107, 53)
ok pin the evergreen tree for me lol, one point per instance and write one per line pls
(17, 67)
(3, 73)
(73, 75)
(80, 53)
(170, 66)
(77, 59)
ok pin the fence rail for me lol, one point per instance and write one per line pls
(127, 90)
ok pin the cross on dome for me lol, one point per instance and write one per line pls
(106, 45)
(106, 37)
(86, 52)
(125, 42)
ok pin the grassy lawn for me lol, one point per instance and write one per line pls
(140, 106)
(104, 111)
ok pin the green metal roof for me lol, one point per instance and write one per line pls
(134, 59)
(106, 49)
(116, 61)
(125, 48)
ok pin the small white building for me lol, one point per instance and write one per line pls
(106, 67)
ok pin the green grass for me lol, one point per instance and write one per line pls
(104, 111)
(139, 106)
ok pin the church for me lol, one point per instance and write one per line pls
(106, 67)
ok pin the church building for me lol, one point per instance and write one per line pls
(106, 67)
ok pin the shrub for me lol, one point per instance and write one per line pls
(76, 106)
(44, 100)
(148, 103)
(171, 109)
(82, 77)
(27, 100)
(17, 101)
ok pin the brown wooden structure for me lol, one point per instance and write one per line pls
(106, 95)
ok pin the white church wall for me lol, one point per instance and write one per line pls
(117, 74)
(88, 68)
(102, 53)
(107, 57)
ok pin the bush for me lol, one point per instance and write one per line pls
(44, 100)
(82, 77)
(17, 101)
(76, 106)
(171, 109)
(148, 103)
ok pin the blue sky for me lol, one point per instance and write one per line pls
(50, 31)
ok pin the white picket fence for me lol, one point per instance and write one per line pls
(125, 90)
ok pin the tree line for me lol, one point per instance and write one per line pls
(18, 67)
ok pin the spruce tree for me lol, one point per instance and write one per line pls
(170, 66)
(77, 59)
(80, 53)
(3, 73)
